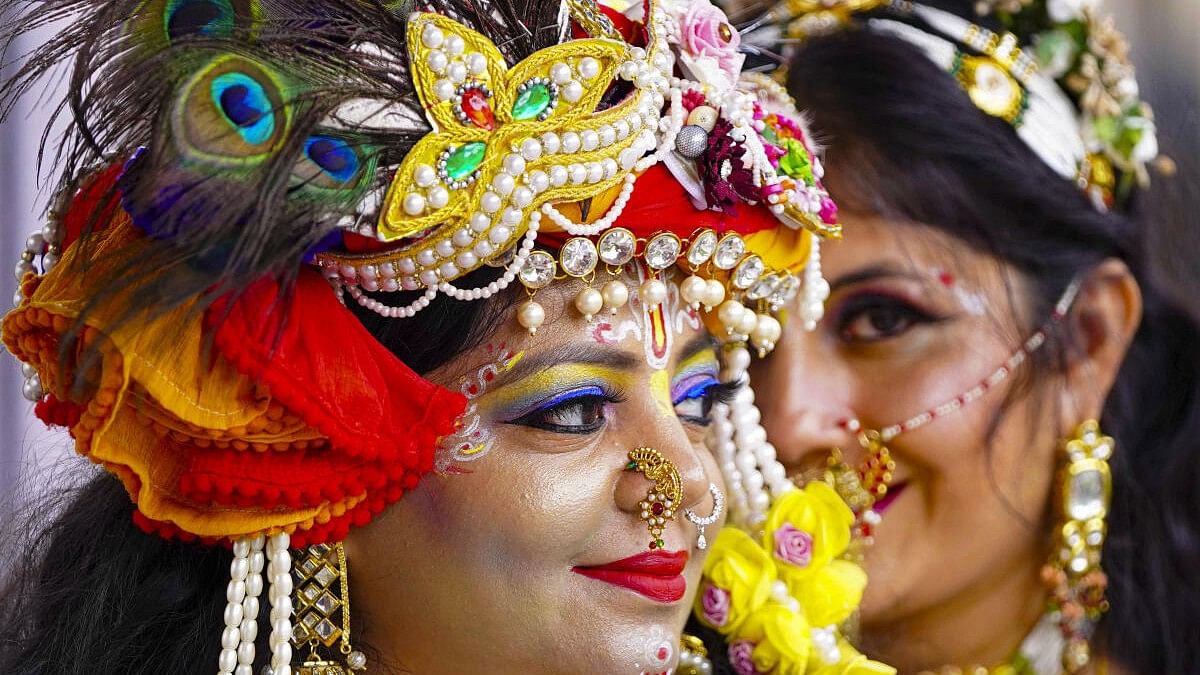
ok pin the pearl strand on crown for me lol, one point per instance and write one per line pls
(815, 289)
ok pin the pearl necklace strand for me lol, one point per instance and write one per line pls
(242, 606)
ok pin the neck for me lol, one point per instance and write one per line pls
(981, 626)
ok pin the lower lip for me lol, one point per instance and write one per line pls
(659, 582)
(893, 493)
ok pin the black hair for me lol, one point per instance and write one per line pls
(906, 143)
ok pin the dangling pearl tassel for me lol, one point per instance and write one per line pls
(815, 289)
(761, 475)
(279, 571)
(719, 440)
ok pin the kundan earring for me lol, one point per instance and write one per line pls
(664, 496)
(322, 610)
(701, 523)
(1073, 574)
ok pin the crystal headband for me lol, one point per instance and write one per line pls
(1070, 93)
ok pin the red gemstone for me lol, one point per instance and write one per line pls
(477, 109)
(657, 508)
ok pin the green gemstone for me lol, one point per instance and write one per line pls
(660, 543)
(531, 102)
(795, 164)
(631, 466)
(463, 161)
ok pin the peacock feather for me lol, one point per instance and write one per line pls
(252, 132)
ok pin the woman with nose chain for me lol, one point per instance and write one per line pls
(1007, 398)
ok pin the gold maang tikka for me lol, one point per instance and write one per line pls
(322, 610)
(664, 497)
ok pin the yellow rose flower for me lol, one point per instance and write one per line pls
(738, 575)
(806, 529)
(830, 594)
(852, 663)
(781, 640)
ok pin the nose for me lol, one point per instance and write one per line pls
(803, 396)
(669, 441)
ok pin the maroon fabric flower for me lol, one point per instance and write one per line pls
(727, 182)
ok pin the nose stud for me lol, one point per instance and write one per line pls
(664, 496)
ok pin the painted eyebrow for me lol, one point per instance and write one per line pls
(700, 342)
(590, 354)
(872, 273)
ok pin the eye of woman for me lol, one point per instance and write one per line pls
(699, 395)
(873, 317)
(579, 411)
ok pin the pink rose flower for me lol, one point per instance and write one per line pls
(707, 33)
(715, 605)
(739, 657)
(829, 211)
(793, 546)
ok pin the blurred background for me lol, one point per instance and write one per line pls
(1166, 50)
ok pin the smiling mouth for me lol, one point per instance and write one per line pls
(657, 575)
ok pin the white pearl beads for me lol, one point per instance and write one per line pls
(279, 570)
(241, 609)
(589, 302)
(531, 315)
(694, 291)
(653, 292)
(615, 294)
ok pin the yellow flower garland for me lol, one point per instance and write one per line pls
(779, 600)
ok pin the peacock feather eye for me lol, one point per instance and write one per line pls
(333, 156)
(199, 18)
(232, 112)
(334, 169)
(244, 103)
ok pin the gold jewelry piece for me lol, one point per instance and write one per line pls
(664, 496)
(693, 656)
(322, 602)
(1073, 574)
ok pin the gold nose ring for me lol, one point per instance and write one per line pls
(664, 497)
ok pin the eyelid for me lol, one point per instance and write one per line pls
(558, 399)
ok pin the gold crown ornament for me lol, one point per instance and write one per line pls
(546, 154)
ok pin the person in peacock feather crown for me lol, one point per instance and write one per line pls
(397, 333)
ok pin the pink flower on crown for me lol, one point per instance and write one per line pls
(708, 35)
(715, 605)
(740, 658)
(793, 546)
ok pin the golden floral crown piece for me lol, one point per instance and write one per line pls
(554, 146)
(1059, 74)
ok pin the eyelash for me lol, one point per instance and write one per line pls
(712, 393)
(562, 403)
(861, 307)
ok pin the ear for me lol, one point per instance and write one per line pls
(1100, 326)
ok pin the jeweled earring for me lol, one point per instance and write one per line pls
(1073, 575)
(322, 610)
(701, 523)
(664, 496)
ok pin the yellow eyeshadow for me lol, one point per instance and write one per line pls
(528, 391)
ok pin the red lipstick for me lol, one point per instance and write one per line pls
(658, 575)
